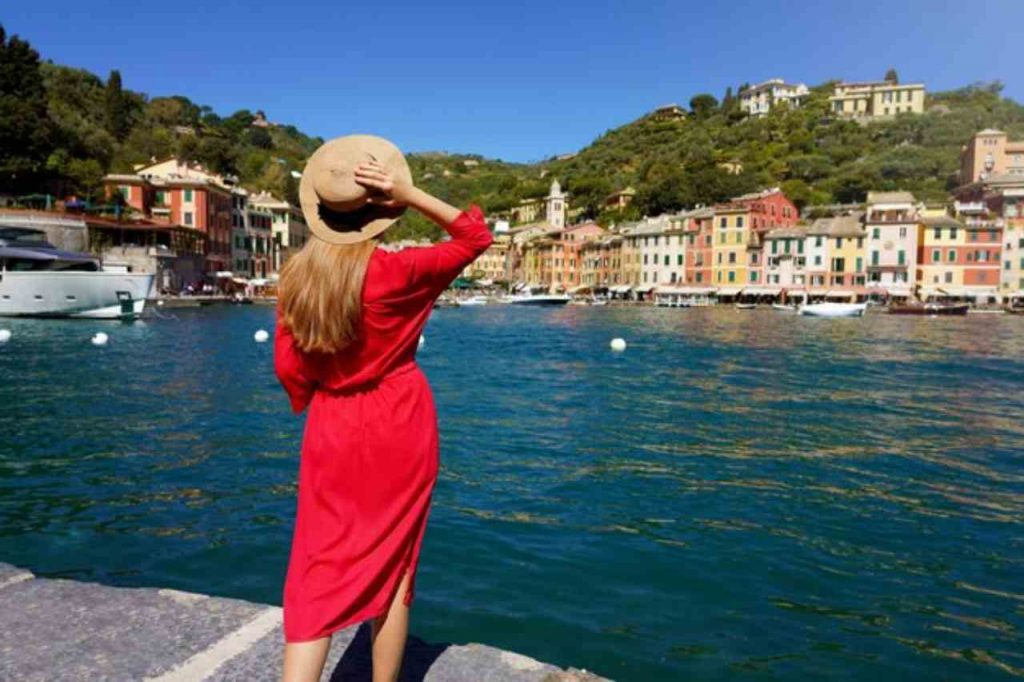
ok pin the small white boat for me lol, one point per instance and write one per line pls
(745, 306)
(539, 299)
(828, 309)
(782, 307)
(472, 301)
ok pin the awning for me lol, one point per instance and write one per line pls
(239, 280)
(580, 289)
(840, 293)
(685, 291)
(225, 274)
(259, 282)
(762, 291)
(646, 288)
(729, 291)
(620, 289)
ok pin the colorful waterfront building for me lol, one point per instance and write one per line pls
(567, 268)
(186, 194)
(769, 208)
(630, 251)
(942, 257)
(984, 238)
(1007, 203)
(891, 223)
(493, 263)
(731, 238)
(836, 248)
(240, 242)
(661, 251)
(287, 225)
(260, 239)
(698, 227)
(602, 262)
(785, 258)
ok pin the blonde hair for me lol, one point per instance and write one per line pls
(320, 294)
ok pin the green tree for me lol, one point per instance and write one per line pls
(703, 105)
(116, 107)
(25, 130)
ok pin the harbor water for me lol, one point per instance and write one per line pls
(738, 495)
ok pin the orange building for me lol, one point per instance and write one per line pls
(179, 193)
(698, 227)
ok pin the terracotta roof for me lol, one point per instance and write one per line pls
(890, 198)
(941, 221)
(840, 226)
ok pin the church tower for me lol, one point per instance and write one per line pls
(556, 205)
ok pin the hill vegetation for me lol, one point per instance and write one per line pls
(62, 129)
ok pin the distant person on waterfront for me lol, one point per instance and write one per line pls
(350, 317)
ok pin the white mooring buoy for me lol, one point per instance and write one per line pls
(100, 339)
(423, 340)
(618, 345)
(5, 335)
(261, 336)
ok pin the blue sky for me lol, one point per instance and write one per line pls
(519, 80)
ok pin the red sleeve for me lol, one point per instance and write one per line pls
(292, 369)
(430, 269)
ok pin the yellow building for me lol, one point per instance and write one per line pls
(876, 99)
(492, 264)
(942, 253)
(731, 236)
(630, 256)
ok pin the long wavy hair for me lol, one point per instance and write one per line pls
(320, 294)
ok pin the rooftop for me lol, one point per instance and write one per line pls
(890, 198)
(848, 225)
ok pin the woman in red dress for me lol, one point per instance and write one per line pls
(349, 322)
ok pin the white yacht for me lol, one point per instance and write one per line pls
(39, 280)
(539, 299)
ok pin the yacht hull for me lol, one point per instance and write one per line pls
(96, 295)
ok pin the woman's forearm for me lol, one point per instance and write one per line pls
(441, 212)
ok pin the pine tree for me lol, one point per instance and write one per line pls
(117, 107)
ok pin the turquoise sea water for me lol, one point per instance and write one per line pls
(740, 495)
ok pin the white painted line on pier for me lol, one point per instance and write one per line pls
(206, 662)
(15, 579)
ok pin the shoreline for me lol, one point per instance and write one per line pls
(73, 630)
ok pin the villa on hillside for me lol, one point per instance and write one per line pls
(876, 99)
(758, 100)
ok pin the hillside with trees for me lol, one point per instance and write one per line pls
(62, 129)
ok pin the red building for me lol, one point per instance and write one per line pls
(769, 209)
(182, 194)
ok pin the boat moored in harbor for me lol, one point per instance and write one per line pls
(929, 309)
(539, 299)
(829, 309)
(39, 280)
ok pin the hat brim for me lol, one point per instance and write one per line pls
(367, 222)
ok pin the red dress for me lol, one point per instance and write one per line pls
(370, 448)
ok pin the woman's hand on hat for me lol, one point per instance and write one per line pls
(384, 189)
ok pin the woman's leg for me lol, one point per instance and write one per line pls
(389, 633)
(304, 661)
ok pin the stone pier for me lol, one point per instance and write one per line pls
(70, 630)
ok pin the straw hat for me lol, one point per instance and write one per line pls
(337, 208)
